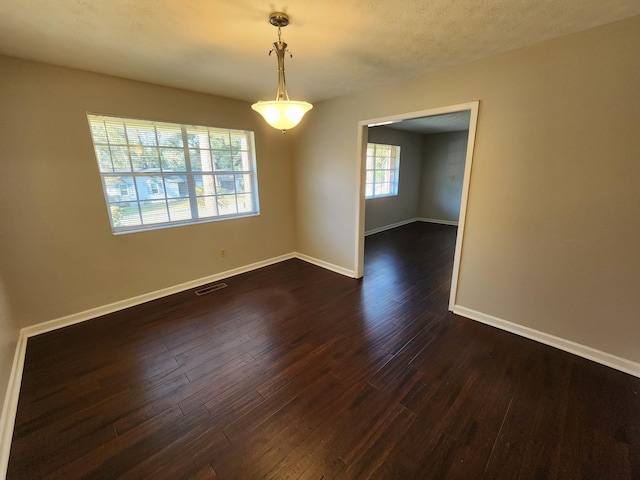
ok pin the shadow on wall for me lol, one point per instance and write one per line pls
(442, 176)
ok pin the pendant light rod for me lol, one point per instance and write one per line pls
(282, 113)
(280, 48)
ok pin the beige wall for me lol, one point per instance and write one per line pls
(551, 234)
(57, 251)
(551, 239)
(444, 157)
(385, 211)
(8, 339)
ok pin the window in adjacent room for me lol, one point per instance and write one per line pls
(383, 168)
(157, 174)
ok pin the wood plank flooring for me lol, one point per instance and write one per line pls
(294, 372)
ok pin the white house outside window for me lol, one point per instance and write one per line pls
(158, 174)
(382, 170)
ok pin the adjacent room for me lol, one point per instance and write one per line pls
(416, 257)
(429, 186)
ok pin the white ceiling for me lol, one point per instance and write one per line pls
(339, 46)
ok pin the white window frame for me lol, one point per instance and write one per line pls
(208, 174)
(390, 172)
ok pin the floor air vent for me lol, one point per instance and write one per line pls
(211, 288)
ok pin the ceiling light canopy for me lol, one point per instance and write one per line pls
(281, 113)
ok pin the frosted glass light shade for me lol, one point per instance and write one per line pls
(282, 114)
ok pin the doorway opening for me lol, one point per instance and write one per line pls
(414, 121)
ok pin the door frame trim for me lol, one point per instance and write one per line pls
(363, 126)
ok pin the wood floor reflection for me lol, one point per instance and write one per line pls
(297, 372)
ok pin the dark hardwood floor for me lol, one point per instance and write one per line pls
(296, 372)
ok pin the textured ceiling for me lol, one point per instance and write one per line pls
(339, 46)
(448, 122)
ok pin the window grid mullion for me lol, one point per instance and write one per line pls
(375, 155)
(126, 139)
(213, 170)
(191, 179)
(106, 134)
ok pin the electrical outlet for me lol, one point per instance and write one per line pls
(223, 252)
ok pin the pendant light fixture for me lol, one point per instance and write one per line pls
(281, 113)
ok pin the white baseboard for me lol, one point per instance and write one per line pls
(10, 405)
(9, 409)
(133, 301)
(408, 221)
(598, 356)
(146, 297)
(7, 419)
(389, 227)
(435, 220)
(326, 265)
